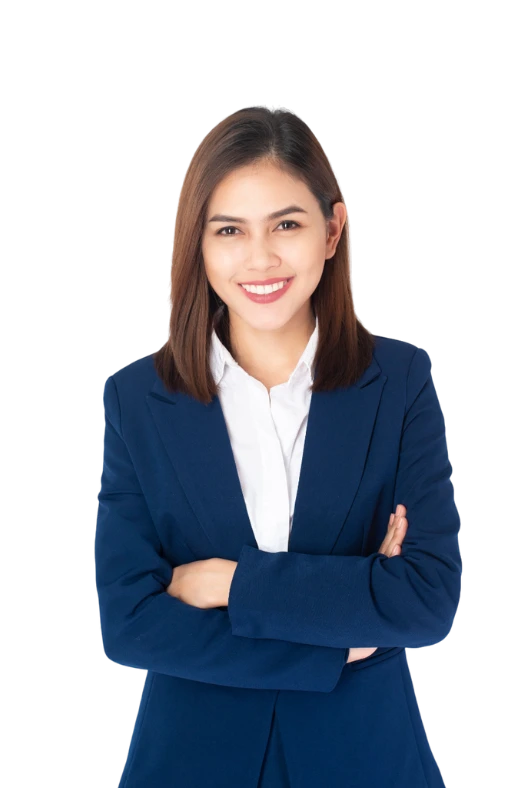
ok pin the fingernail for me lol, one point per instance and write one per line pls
(398, 508)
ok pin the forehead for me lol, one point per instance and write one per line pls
(258, 189)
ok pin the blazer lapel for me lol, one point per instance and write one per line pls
(339, 430)
(338, 434)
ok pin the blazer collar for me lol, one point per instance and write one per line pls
(339, 429)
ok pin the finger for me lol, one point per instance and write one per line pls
(395, 535)
(401, 528)
(386, 541)
(389, 531)
(400, 532)
(397, 519)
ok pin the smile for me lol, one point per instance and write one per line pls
(265, 294)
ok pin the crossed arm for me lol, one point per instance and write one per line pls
(206, 584)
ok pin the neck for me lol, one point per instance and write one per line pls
(271, 356)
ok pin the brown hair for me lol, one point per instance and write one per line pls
(247, 136)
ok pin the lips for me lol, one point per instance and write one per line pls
(267, 281)
(273, 295)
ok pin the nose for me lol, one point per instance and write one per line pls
(261, 257)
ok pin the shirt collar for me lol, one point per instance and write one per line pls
(220, 357)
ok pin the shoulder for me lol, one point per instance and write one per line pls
(130, 383)
(404, 362)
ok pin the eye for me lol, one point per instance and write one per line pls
(230, 227)
(220, 232)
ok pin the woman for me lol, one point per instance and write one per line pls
(261, 472)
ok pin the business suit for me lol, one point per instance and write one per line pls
(264, 681)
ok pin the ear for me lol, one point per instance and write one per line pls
(334, 228)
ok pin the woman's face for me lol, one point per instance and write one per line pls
(242, 244)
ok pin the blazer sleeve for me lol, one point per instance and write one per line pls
(145, 627)
(408, 600)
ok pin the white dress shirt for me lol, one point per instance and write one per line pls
(267, 432)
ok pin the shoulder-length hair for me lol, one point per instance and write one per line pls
(251, 135)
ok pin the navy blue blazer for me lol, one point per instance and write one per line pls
(259, 692)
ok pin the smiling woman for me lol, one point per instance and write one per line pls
(247, 551)
(260, 204)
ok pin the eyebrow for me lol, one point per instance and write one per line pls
(221, 217)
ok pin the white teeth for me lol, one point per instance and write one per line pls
(263, 289)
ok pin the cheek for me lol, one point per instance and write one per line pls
(308, 251)
(209, 255)
(311, 244)
(219, 256)
(220, 269)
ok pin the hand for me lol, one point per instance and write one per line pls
(391, 546)
(397, 528)
(203, 584)
(359, 653)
